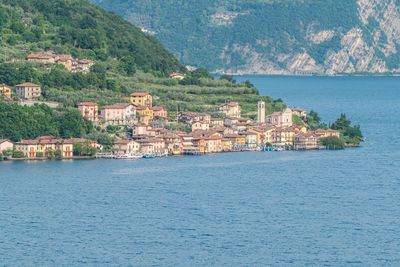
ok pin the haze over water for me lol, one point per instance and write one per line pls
(236, 209)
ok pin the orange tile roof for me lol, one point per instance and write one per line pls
(27, 84)
(88, 104)
(117, 106)
(140, 94)
(231, 104)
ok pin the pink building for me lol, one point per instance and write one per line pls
(281, 119)
(89, 110)
(159, 112)
(5, 144)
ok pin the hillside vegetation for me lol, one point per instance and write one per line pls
(273, 37)
(126, 60)
(79, 28)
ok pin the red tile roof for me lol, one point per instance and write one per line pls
(88, 104)
(158, 108)
(140, 94)
(124, 141)
(27, 85)
(231, 104)
(117, 106)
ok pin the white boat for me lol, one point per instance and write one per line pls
(128, 156)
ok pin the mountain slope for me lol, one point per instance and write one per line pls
(80, 28)
(325, 37)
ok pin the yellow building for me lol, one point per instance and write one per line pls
(45, 146)
(226, 144)
(237, 140)
(284, 136)
(264, 134)
(145, 114)
(142, 99)
(5, 90)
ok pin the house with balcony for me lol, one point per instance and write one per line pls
(45, 146)
(28, 90)
(126, 146)
(89, 110)
(306, 141)
(118, 114)
(142, 99)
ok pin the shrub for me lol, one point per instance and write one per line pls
(18, 154)
(39, 154)
(7, 153)
(333, 142)
(58, 154)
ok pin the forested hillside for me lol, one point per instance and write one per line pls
(273, 37)
(79, 28)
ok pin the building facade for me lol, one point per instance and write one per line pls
(142, 99)
(302, 113)
(6, 144)
(232, 109)
(126, 146)
(28, 90)
(306, 141)
(5, 90)
(89, 110)
(45, 146)
(281, 119)
(159, 112)
(121, 113)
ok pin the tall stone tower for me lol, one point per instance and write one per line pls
(261, 111)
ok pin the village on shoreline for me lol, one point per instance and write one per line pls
(140, 130)
(151, 136)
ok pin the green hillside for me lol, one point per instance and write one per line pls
(126, 60)
(79, 28)
(272, 36)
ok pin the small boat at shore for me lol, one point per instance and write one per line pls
(128, 156)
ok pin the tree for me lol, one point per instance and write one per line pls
(332, 142)
(228, 78)
(78, 149)
(18, 154)
(49, 153)
(72, 124)
(127, 65)
(341, 124)
(313, 116)
(58, 154)
(201, 73)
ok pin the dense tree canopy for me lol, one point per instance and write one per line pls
(17, 122)
(84, 30)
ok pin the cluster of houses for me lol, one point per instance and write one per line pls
(139, 110)
(70, 63)
(23, 90)
(228, 132)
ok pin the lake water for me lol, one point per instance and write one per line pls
(332, 208)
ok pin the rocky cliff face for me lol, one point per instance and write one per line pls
(298, 37)
(355, 55)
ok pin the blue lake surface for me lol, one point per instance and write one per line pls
(333, 208)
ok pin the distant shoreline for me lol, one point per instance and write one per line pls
(324, 76)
